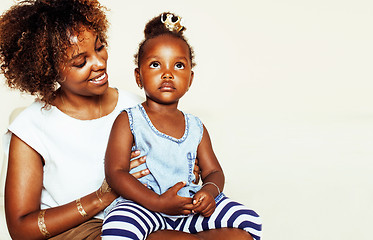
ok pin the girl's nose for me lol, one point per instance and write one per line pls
(167, 75)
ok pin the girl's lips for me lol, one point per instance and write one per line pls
(167, 87)
(101, 80)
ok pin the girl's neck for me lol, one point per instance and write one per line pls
(166, 118)
(153, 106)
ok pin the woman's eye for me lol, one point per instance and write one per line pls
(154, 65)
(100, 48)
(80, 65)
(179, 66)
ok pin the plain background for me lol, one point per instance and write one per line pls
(285, 90)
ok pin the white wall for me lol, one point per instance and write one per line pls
(285, 89)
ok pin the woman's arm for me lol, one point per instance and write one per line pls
(117, 162)
(23, 196)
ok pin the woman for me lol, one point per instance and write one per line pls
(56, 50)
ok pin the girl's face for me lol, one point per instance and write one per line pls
(84, 72)
(165, 69)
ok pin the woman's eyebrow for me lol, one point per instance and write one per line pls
(77, 56)
(82, 53)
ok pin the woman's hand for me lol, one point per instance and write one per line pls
(196, 172)
(136, 163)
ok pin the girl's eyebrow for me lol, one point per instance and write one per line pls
(183, 58)
(157, 57)
(150, 57)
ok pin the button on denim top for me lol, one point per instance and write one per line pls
(169, 160)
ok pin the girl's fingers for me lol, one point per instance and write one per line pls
(189, 207)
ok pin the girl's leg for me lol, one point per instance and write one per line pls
(174, 235)
(228, 214)
(215, 234)
(128, 220)
(224, 234)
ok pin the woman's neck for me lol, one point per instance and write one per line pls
(85, 107)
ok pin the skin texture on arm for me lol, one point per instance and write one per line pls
(23, 195)
(211, 172)
(117, 175)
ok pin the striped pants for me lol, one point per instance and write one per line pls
(129, 220)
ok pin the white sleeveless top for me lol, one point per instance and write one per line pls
(73, 149)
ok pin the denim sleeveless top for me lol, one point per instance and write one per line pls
(169, 160)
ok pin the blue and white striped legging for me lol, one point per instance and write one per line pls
(129, 220)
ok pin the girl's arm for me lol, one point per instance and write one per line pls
(23, 196)
(117, 162)
(212, 177)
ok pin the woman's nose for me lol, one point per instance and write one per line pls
(98, 63)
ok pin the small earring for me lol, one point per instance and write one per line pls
(62, 80)
(140, 86)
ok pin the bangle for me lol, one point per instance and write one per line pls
(80, 208)
(41, 224)
(211, 184)
(98, 197)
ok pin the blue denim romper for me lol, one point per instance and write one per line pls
(169, 160)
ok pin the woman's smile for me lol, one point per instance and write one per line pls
(100, 80)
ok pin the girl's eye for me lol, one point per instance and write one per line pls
(154, 65)
(80, 65)
(179, 66)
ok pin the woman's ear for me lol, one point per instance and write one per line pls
(138, 78)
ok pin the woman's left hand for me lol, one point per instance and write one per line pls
(138, 162)
(196, 172)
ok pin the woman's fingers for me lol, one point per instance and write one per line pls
(135, 153)
(196, 171)
(141, 173)
(137, 162)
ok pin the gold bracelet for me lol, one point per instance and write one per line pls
(211, 184)
(98, 197)
(80, 208)
(41, 224)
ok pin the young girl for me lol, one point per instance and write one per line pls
(172, 140)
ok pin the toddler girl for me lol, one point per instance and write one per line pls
(171, 140)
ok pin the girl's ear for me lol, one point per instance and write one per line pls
(191, 79)
(138, 78)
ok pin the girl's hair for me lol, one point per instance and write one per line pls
(156, 27)
(34, 38)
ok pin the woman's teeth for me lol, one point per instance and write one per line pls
(99, 78)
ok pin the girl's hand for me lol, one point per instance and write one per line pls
(136, 163)
(172, 204)
(204, 203)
